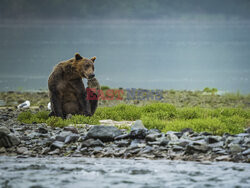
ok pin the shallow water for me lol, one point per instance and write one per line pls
(105, 172)
(151, 55)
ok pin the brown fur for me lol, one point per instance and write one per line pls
(66, 89)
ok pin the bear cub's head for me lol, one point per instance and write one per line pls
(84, 66)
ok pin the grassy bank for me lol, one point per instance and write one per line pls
(162, 116)
(174, 97)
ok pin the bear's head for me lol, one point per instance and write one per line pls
(84, 67)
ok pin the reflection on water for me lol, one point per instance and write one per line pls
(151, 55)
(90, 172)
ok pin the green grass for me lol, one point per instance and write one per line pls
(162, 116)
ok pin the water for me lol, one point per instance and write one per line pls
(140, 54)
(91, 172)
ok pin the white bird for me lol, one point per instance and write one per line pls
(49, 106)
(25, 104)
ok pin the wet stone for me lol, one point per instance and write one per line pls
(4, 131)
(71, 129)
(92, 143)
(122, 143)
(42, 130)
(71, 138)
(104, 133)
(138, 133)
(246, 152)
(235, 148)
(137, 125)
(152, 137)
(213, 139)
(56, 144)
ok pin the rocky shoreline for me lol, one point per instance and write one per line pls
(40, 140)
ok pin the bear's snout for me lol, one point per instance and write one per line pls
(91, 76)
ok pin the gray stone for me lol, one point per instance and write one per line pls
(137, 125)
(154, 131)
(42, 130)
(104, 133)
(246, 152)
(152, 137)
(122, 143)
(213, 139)
(22, 150)
(177, 148)
(235, 148)
(55, 152)
(2, 150)
(223, 158)
(56, 144)
(71, 138)
(171, 136)
(197, 147)
(247, 130)
(138, 133)
(71, 129)
(92, 143)
(4, 131)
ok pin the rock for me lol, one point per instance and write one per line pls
(147, 149)
(171, 136)
(9, 140)
(177, 148)
(205, 134)
(213, 139)
(55, 152)
(246, 152)
(2, 150)
(164, 141)
(233, 140)
(122, 143)
(72, 129)
(42, 130)
(125, 136)
(243, 135)
(22, 150)
(247, 130)
(4, 131)
(223, 158)
(137, 125)
(154, 131)
(235, 148)
(56, 144)
(104, 133)
(92, 143)
(71, 138)
(138, 133)
(187, 130)
(152, 137)
(197, 147)
(62, 136)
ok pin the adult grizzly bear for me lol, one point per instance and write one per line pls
(66, 89)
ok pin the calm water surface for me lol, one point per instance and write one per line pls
(149, 54)
(89, 172)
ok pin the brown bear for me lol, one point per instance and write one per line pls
(66, 89)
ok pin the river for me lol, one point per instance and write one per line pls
(130, 54)
(106, 172)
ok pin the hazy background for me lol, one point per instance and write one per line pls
(163, 44)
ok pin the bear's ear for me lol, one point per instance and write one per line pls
(78, 56)
(93, 59)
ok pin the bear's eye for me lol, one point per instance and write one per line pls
(86, 66)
